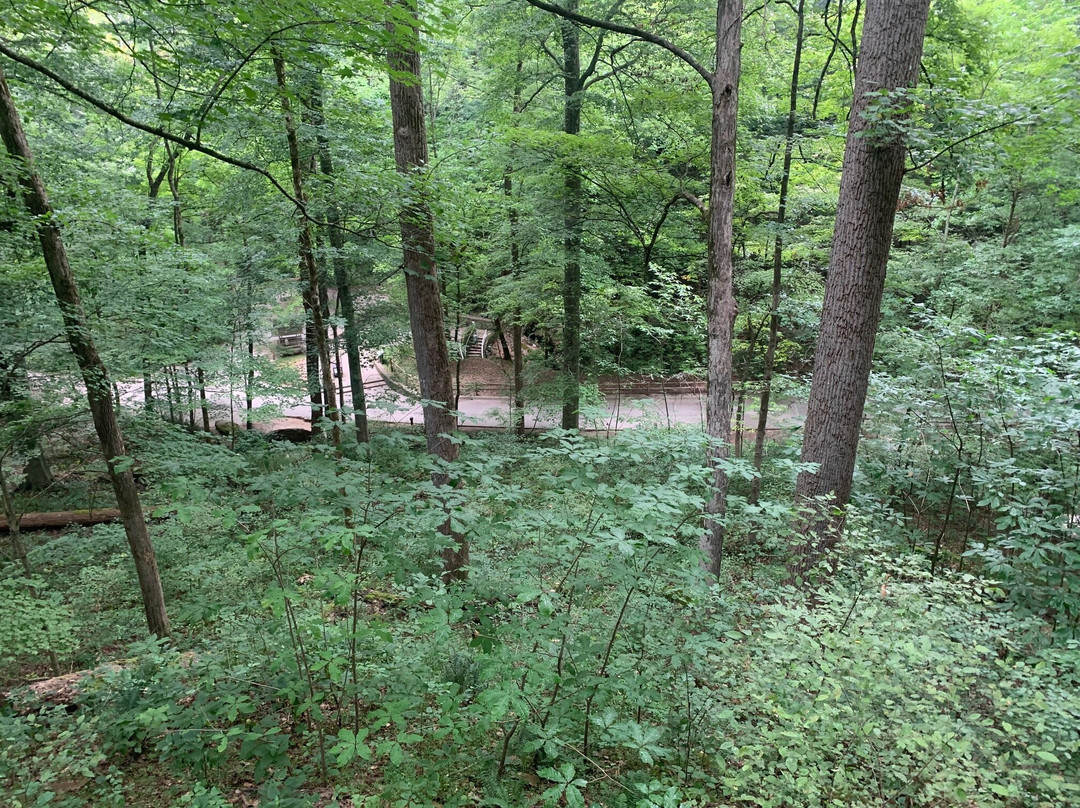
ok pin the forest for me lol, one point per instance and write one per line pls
(646, 404)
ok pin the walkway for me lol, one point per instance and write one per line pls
(484, 412)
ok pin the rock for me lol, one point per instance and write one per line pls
(227, 427)
(291, 434)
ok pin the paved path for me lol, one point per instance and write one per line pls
(387, 406)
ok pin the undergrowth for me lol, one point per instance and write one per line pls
(318, 659)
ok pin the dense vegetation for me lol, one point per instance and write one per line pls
(661, 616)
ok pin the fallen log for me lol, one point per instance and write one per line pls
(57, 519)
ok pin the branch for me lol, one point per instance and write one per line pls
(955, 143)
(164, 134)
(695, 201)
(628, 30)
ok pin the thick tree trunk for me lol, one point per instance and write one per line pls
(720, 303)
(421, 272)
(336, 236)
(869, 188)
(778, 262)
(93, 370)
(308, 267)
(571, 288)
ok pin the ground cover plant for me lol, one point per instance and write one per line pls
(318, 657)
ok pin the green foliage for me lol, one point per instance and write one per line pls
(36, 620)
(976, 445)
(318, 656)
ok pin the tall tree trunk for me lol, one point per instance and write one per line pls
(336, 237)
(515, 272)
(720, 303)
(869, 188)
(169, 394)
(203, 405)
(249, 381)
(421, 272)
(571, 288)
(93, 370)
(308, 267)
(311, 362)
(190, 397)
(778, 261)
(153, 183)
(173, 174)
(148, 388)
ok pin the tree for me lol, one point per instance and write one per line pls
(873, 168)
(421, 271)
(723, 82)
(336, 237)
(308, 266)
(778, 257)
(95, 376)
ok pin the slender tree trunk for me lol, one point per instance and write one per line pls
(1012, 224)
(504, 346)
(311, 363)
(190, 397)
(173, 175)
(346, 302)
(778, 262)
(203, 405)
(249, 382)
(329, 395)
(421, 272)
(169, 395)
(572, 196)
(519, 379)
(720, 303)
(153, 182)
(308, 267)
(515, 273)
(869, 188)
(148, 389)
(740, 418)
(93, 370)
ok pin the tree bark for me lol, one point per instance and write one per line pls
(421, 272)
(778, 261)
(723, 83)
(51, 520)
(203, 404)
(515, 272)
(336, 236)
(311, 362)
(571, 287)
(720, 303)
(869, 188)
(93, 370)
(174, 191)
(249, 381)
(308, 267)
